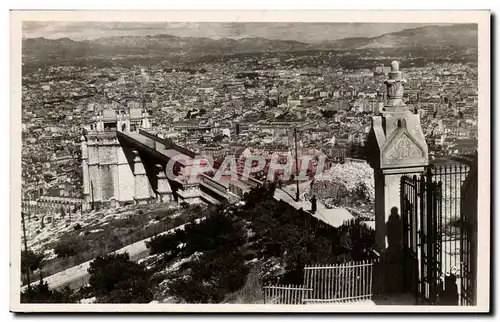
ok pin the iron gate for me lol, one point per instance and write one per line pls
(468, 236)
(436, 234)
(420, 208)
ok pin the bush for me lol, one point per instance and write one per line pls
(215, 232)
(42, 294)
(212, 276)
(162, 243)
(178, 221)
(68, 248)
(77, 227)
(116, 279)
(30, 261)
(191, 291)
(251, 292)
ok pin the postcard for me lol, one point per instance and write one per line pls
(250, 161)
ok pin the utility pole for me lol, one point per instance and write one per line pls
(297, 195)
(26, 248)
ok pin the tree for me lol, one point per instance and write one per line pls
(218, 138)
(116, 279)
(63, 213)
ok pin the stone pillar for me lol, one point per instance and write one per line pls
(85, 167)
(93, 170)
(141, 181)
(396, 146)
(126, 180)
(145, 121)
(164, 191)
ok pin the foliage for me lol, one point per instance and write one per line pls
(260, 227)
(163, 243)
(211, 277)
(221, 268)
(116, 279)
(285, 232)
(30, 260)
(41, 293)
(68, 248)
(218, 231)
(328, 113)
(251, 292)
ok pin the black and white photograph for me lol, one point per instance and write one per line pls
(282, 164)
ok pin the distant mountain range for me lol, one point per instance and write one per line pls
(39, 49)
(460, 35)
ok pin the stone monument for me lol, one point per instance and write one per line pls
(396, 146)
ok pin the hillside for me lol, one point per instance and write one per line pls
(41, 49)
(464, 35)
(224, 255)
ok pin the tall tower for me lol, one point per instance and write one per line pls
(396, 146)
(111, 174)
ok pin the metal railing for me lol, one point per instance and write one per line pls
(345, 282)
(337, 283)
(285, 294)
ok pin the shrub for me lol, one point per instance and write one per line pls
(115, 242)
(42, 294)
(212, 276)
(178, 221)
(163, 243)
(251, 292)
(68, 248)
(30, 261)
(77, 226)
(116, 279)
(215, 232)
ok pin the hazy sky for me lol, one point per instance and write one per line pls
(304, 32)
